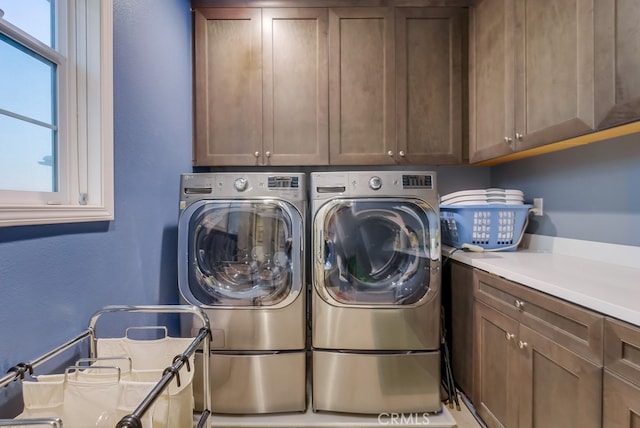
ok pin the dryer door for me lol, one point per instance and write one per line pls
(240, 253)
(375, 251)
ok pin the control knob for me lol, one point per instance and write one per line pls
(240, 184)
(375, 183)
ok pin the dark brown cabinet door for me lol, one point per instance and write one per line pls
(228, 86)
(361, 86)
(554, 57)
(462, 353)
(617, 62)
(429, 85)
(532, 74)
(261, 79)
(621, 402)
(496, 367)
(491, 79)
(558, 389)
(295, 80)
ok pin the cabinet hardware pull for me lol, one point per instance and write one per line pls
(519, 136)
(522, 344)
(390, 153)
(257, 154)
(508, 140)
(401, 153)
(510, 336)
(268, 154)
(519, 304)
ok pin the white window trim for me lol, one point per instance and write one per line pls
(89, 88)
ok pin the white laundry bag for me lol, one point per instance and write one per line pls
(114, 384)
(83, 398)
(149, 358)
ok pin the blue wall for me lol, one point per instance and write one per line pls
(53, 278)
(590, 192)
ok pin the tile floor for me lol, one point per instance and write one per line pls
(448, 418)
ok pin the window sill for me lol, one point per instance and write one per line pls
(32, 215)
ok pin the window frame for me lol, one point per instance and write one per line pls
(84, 40)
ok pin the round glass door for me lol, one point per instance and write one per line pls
(376, 252)
(244, 253)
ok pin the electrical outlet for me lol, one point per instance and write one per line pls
(537, 206)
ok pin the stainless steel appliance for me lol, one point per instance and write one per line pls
(376, 292)
(241, 243)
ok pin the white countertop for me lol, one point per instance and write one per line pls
(571, 270)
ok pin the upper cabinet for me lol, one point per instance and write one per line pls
(532, 74)
(318, 86)
(362, 86)
(429, 50)
(395, 85)
(261, 86)
(617, 62)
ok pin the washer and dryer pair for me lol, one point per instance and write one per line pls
(374, 310)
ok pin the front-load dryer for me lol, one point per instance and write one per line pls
(241, 243)
(376, 292)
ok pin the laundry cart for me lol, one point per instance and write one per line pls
(142, 379)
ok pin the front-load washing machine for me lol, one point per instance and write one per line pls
(376, 292)
(240, 257)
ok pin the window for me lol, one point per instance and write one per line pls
(56, 111)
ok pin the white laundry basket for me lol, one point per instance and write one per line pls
(101, 394)
(126, 382)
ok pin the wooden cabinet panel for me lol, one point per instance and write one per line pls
(554, 70)
(622, 349)
(578, 329)
(558, 389)
(617, 62)
(228, 86)
(261, 78)
(491, 79)
(462, 353)
(532, 74)
(295, 80)
(555, 347)
(361, 86)
(496, 367)
(429, 85)
(621, 403)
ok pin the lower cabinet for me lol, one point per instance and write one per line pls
(621, 397)
(461, 282)
(496, 367)
(525, 379)
(621, 402)
(539, 361)
(534, 365)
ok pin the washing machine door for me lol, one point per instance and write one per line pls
(375, 251)
(240, 253)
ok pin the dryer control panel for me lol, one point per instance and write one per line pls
(417, 182)
(421, 184)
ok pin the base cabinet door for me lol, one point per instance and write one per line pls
(621, 402)
(558, 389)
(496, 367)
(621, 398)
(462, 354)
(525, 379)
